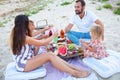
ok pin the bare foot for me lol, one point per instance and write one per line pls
(81, 74)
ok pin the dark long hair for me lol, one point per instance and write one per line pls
(19, 32)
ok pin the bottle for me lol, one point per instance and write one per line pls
(50, 33)
(62, 34)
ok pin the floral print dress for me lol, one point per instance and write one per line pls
(100, 51)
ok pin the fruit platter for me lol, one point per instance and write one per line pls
(66, 51)
(64, 47)
(69, 51)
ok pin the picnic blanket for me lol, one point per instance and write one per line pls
(105, 67)
(55, 74)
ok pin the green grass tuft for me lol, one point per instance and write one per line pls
(117, 11)
(65, 3)
(34, 11)
(103, 0)
(107, 6)
(27, 13)
(1, 24)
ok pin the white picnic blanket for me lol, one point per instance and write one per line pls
(12, 74)
(105, 67)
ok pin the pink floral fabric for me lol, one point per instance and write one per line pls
(100, 50)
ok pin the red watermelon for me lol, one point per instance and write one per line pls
(62, 50)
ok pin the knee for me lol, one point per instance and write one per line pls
(50, 55)
(68, 33)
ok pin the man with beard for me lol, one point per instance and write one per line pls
(83, 19)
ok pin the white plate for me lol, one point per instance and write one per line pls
(61, 39)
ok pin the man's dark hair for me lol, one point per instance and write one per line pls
(82, 2)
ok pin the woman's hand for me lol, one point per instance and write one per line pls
(55, 34)
(49, 27)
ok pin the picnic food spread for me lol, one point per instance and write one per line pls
(66, 50)
(64, 47)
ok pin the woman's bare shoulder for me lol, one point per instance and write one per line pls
(31, 40)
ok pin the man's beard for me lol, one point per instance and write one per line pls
(79, 12)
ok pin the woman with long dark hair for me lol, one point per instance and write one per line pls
(25, 58)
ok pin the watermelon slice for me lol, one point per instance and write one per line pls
(62, 50)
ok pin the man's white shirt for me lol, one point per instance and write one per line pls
(85, 23)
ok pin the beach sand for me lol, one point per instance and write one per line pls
(59, 16)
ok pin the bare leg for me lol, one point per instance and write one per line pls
(39, 60)
(68, 64)
(82, 71)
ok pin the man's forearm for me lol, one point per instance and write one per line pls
(68, 28)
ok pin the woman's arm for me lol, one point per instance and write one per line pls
(40, 31)
(42, 36)
(35, 42)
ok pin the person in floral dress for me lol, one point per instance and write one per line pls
(95, 47)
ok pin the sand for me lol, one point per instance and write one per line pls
(59, 16)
